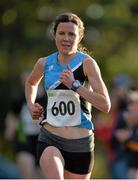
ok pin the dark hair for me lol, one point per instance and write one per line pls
(68, 17)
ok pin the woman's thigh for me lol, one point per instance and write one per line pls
(52, 163)
(70, 175)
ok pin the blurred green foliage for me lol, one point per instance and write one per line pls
(111, 35)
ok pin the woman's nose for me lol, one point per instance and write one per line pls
(66, 37)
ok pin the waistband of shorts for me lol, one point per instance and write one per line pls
(85, 144)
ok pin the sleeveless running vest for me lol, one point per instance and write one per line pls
(52, 72)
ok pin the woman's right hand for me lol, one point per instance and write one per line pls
(36, 111)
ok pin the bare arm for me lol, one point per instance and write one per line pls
(98, 95)
(31, 87)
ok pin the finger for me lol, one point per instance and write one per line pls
(63, 76)
(36, 116)
(68, 67)
(38, 106)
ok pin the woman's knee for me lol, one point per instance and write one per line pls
(51, 159)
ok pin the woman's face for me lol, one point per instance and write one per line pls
(67, 38)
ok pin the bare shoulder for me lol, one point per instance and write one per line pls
(37, 72)
(90, 65)
(38, 69)
(41, 61)
(39, 65)
(89, 60)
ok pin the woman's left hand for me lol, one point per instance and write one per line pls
(67, 77)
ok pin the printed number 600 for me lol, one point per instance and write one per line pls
(63, 108)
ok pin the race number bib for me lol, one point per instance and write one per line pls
(63, 108)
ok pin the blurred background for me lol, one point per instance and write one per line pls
(111, 36)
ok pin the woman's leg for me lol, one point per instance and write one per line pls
(52, 163)
(69, 175)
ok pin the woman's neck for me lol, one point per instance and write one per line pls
(64, 59)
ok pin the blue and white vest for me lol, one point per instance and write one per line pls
(52, 72)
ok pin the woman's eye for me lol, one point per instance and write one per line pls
(61, 33)
(71, 34)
